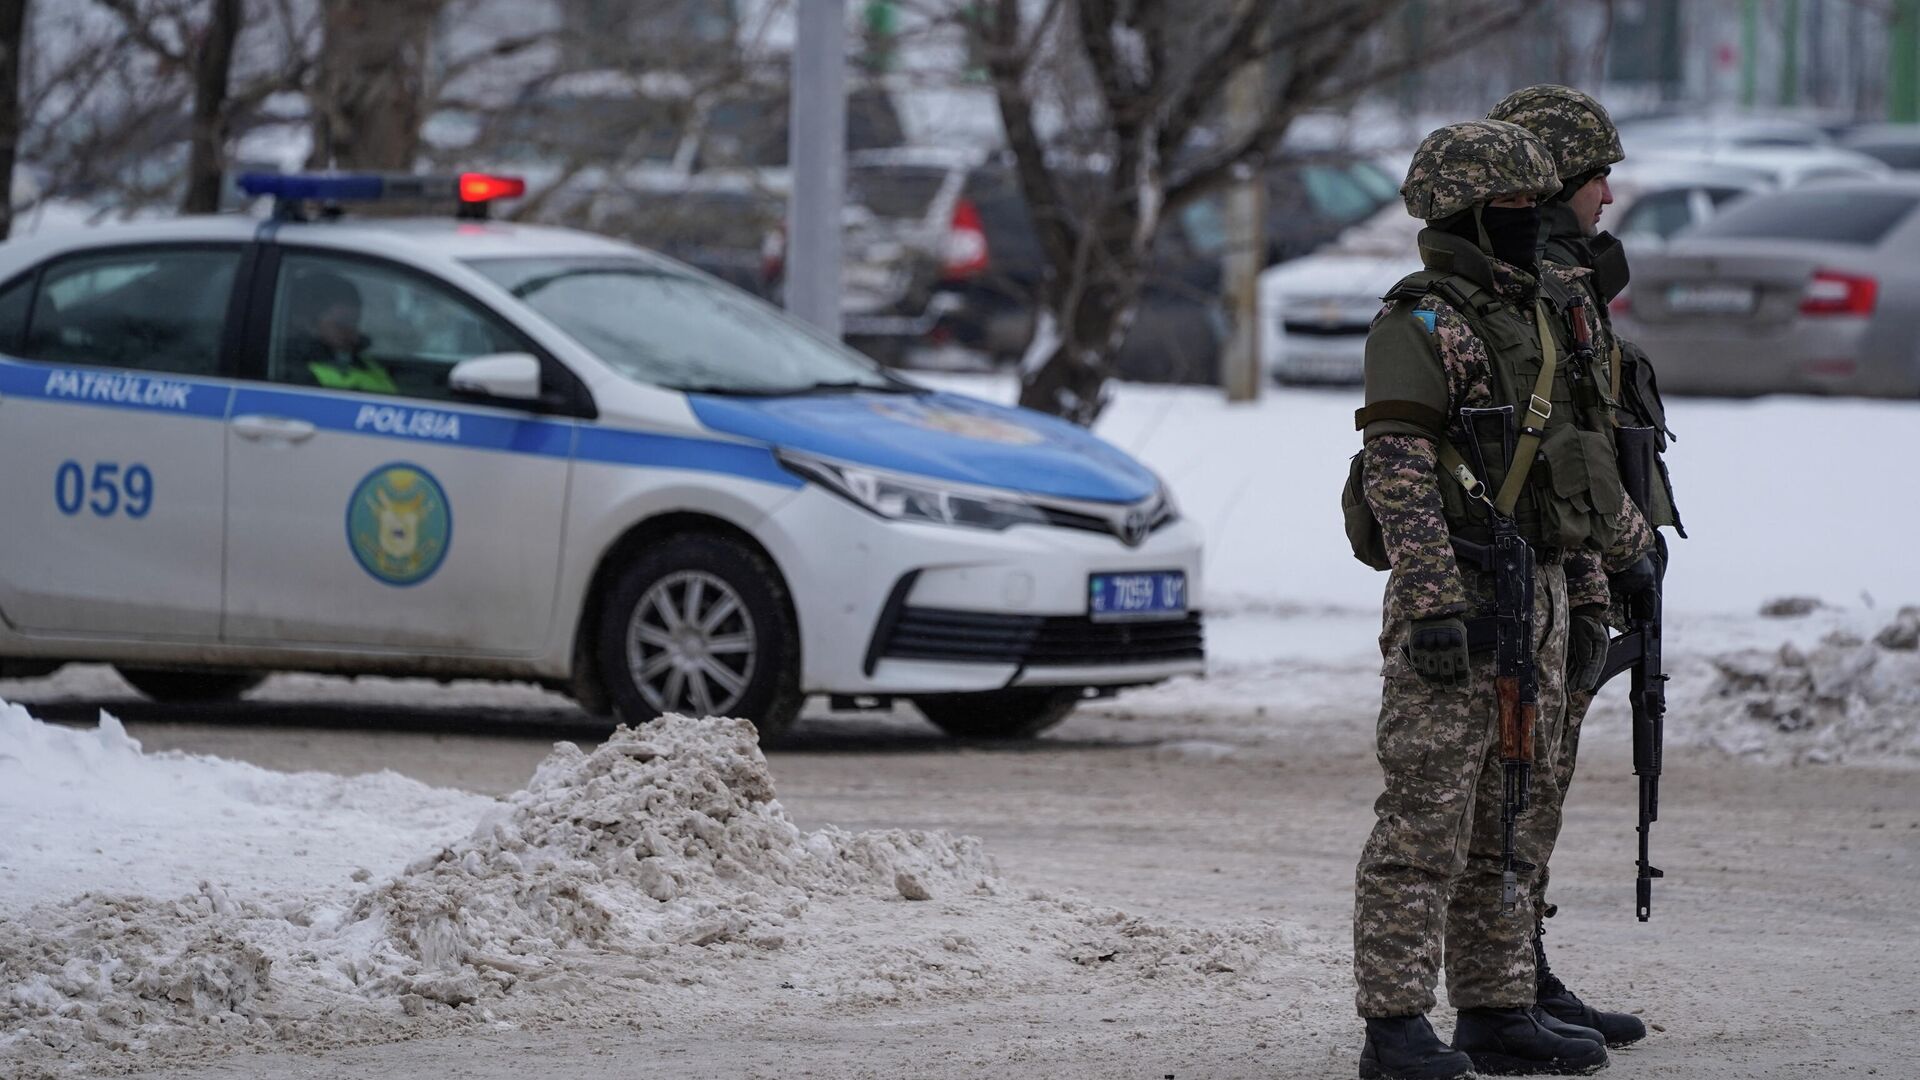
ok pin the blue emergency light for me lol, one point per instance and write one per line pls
(471, 192)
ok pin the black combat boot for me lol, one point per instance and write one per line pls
(1405, 1048)
(1617, 1029)
(1565, 1030)
(1511, 1042)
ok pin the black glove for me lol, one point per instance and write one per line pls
(1635, 579)
(1437, 649)
(1586, 646)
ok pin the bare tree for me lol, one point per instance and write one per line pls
(13, 25)
(369, 98)
(212, 71)
(1140, 84)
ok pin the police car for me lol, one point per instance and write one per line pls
(458, 448)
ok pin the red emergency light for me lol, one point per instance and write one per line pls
(485, 187)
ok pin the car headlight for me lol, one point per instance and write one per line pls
(909, 498)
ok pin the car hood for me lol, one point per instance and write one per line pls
(943, 436)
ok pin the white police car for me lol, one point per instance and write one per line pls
(450, 447)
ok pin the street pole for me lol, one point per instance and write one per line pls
(816, 155)
(1246, 251)
(1903, 54)
(1790, 54)
(1750, 53)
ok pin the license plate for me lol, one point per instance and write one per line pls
(1160, 594)
(1710, 299)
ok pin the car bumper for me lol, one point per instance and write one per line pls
(1317, 358)
(892, 608)
(1723, 357)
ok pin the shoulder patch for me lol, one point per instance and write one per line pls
(1426, 319)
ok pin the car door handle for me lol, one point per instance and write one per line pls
(272, 427)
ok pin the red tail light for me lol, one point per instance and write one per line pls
(966, 248)
(1834, 293)
(1622, 304)
(480, 187)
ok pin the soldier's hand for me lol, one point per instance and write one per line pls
(1635, 579)
(1586, 646)
(1437, 649)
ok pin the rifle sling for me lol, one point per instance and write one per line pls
(1539, 408)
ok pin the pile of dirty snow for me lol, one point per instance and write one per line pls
(1846, 699)
(655, 875)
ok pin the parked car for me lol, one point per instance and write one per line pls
(421, 446)
(1779, 166)
(1896, 145)
(1813, 290)
(1656, 199)
(939, 248)
(1694, 131)
(1315, 312)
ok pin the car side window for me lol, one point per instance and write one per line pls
(345, 324)
(150, 310)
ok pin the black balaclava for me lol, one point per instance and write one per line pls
(1508, 233)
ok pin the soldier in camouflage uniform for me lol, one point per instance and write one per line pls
(1586, 145)
(1477, 329)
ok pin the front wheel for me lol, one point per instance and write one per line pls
(173, 686)
(699, 625)
(998, 714)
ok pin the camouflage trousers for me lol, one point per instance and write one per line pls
(1429, 881)
(1545, 824)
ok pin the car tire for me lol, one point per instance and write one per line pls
(175, 686)
(656, 658)
(998, 715)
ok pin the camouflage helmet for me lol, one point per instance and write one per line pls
(1573, 125)
(1462, 165)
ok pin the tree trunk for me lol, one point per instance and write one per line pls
(212, 66)
(13, 24)
(1086, 318)
(370, 97)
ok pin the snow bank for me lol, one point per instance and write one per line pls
(1847, 699)
(636, 879)
(76, 801)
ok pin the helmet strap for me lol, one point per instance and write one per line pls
(1480, 226)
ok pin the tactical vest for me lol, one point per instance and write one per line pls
(1633, 390)
(1572, 494)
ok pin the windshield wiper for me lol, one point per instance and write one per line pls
(889, 387)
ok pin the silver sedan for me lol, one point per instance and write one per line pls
(1813, 290)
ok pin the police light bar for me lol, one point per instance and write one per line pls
(472, 191)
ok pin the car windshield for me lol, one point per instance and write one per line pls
(667, 327)
(1850, 217)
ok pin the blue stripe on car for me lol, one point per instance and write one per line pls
(386, 418)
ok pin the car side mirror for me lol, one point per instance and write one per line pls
(511, 375)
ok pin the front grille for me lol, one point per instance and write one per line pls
(1038, 641)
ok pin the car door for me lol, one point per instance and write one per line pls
(368, 507)
(111, 430)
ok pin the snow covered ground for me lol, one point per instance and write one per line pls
(170, 907)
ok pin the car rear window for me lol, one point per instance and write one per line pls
(1839, 217)
(895, 191)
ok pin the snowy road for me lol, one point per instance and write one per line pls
(1769, 954)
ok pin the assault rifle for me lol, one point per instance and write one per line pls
(1516, 684)
(1638, 650)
